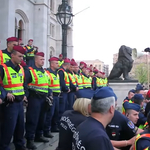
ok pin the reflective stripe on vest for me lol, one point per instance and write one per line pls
(13, 81)
(66, 77)
(86, 82)
(79, 81)
(144, 136)
(54, 84)
(123, 110)
(60, 63)
(39, 80)
(30, 54)
(3, 58)
(72, 78)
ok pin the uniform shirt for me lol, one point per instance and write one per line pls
(91, 135)
(16, 68)
(28, 78)
(6, 52)
(120, 128)
(63, 86)
(94, 84)
(68, 123)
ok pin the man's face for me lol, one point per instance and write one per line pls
(91, 74)
(76, 69)
(130, 95)
(17, 58)
(55, 64)
(39, 61)
(60, 58)
(133, 116)
(30, 43)
(71, 68)
(10, 45)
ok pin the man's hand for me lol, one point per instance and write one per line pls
(131, 141)
(77, 88)
(1, 101)
(10, 97)
(25, 99)
(68, 91)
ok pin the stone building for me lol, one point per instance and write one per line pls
(34, 19)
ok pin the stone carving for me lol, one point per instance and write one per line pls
(123, 65)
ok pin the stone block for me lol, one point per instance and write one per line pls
(121, 89)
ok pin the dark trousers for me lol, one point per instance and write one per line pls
(12, 125)
(63, 104)
(30, 61)
(52, 116)
(35, 117)
(71, 99)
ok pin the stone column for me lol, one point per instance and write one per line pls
(7, 23)
(40, 28)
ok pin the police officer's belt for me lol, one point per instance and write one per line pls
(56, 94)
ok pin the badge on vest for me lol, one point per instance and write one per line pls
(14, 75)
(40, 75)
(131, 125)
(20, 74)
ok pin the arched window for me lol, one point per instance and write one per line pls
(52, 52)
(20, 29)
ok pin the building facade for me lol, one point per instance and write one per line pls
(34, 19)
(98, 64)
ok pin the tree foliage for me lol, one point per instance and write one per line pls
(141, 73)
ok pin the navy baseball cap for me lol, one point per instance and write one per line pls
(104, 92)
(132, 106)
(138, 97)
(139, 87)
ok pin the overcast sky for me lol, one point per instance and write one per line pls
(100, 30)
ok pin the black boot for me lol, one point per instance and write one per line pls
(41, 139)
(55, 130)
(48, 134)
(22, 148)
(31, 145)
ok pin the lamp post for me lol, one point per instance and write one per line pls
(64, 17)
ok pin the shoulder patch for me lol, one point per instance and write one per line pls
(131, 125)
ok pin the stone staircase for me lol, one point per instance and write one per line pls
(53, 143)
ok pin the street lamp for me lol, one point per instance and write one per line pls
(64, 17)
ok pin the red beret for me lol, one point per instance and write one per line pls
(67, 60)
(95, 71)
(82, 63)
(60, 55)
(11, 39)
(94, 68)
(40, 54)
(53, 59)
(85, 65)
(100, 72)
(103, 73)
(88, 69)
(91, 65)
(91, 70)
(72, 59)
(19, 49)
(148, 94)
(20, 39)
(23, 64)
(30, 40)
(73, 63)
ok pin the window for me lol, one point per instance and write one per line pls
(52, 30)
(52, 5)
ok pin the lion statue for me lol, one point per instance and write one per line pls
(123, 65)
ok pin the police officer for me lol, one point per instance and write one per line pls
(73, 85)
(128, 99)
(5, 55)
(60, 61)
(91, 134)
(139, 89)
(138, 99)
(95, 80)
(87, 91)
(12, 75)
(65, 86)
(132, 111)
(81, 65)
(37, 80)
(52, 116)
(121, 129)
(142, 141)
(30, 52)
(104, 78)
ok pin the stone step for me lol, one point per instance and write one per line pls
(52, 147)
(42, 146)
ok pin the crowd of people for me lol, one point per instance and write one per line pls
(74, 100)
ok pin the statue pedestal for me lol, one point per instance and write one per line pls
(121, 89)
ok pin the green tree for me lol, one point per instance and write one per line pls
(141, 73)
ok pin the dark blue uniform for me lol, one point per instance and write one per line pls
(63, 101)
(13, 118)
(36, 113)
(91, 135)
(68, 123)
(94, 84)
(52, 116)
(142, 119)
(120, 128)
(144, 142)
